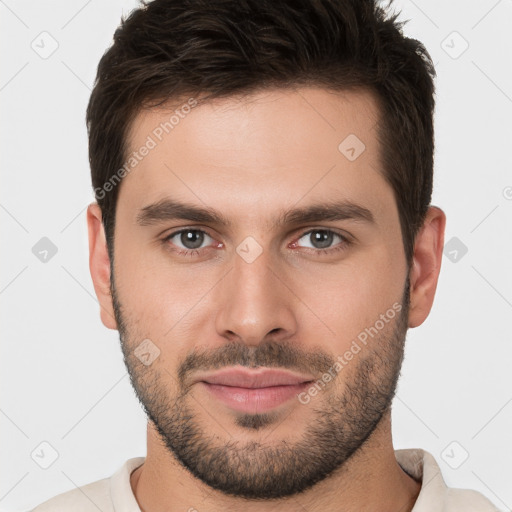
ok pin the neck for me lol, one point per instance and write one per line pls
(370, 480)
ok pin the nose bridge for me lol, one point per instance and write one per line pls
(254, 299)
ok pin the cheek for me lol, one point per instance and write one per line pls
(345, 299)
(162, 302)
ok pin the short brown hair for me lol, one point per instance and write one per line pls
(169, 49)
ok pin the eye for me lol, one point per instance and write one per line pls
(321, 240)
(189, 240)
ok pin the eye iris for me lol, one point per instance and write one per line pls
(322, 238)
(194, 239)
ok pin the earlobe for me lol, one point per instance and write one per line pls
(426, 265)
(99, 265)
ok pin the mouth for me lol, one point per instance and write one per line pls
(253, 390)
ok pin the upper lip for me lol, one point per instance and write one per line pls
(253, 378)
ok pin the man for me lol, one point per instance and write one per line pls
(262, 239)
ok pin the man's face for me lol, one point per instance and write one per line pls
(252, 315)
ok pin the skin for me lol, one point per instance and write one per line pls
(249, 160)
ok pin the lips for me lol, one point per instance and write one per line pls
(253, 390)
(257, 378)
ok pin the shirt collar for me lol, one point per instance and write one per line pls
(123, 499)
(421, 465)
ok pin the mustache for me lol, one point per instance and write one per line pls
(269, 354)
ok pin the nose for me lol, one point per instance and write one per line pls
(255, 303)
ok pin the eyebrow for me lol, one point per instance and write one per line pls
(169, 209)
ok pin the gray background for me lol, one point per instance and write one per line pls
(62, 375)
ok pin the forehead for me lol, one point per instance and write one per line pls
(272, 148)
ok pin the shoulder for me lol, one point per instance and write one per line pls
(88, 498)
(468, 500)
(106, 495)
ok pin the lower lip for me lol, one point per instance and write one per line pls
(255, 400)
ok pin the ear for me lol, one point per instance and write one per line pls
(99, 265)
(426, 265)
